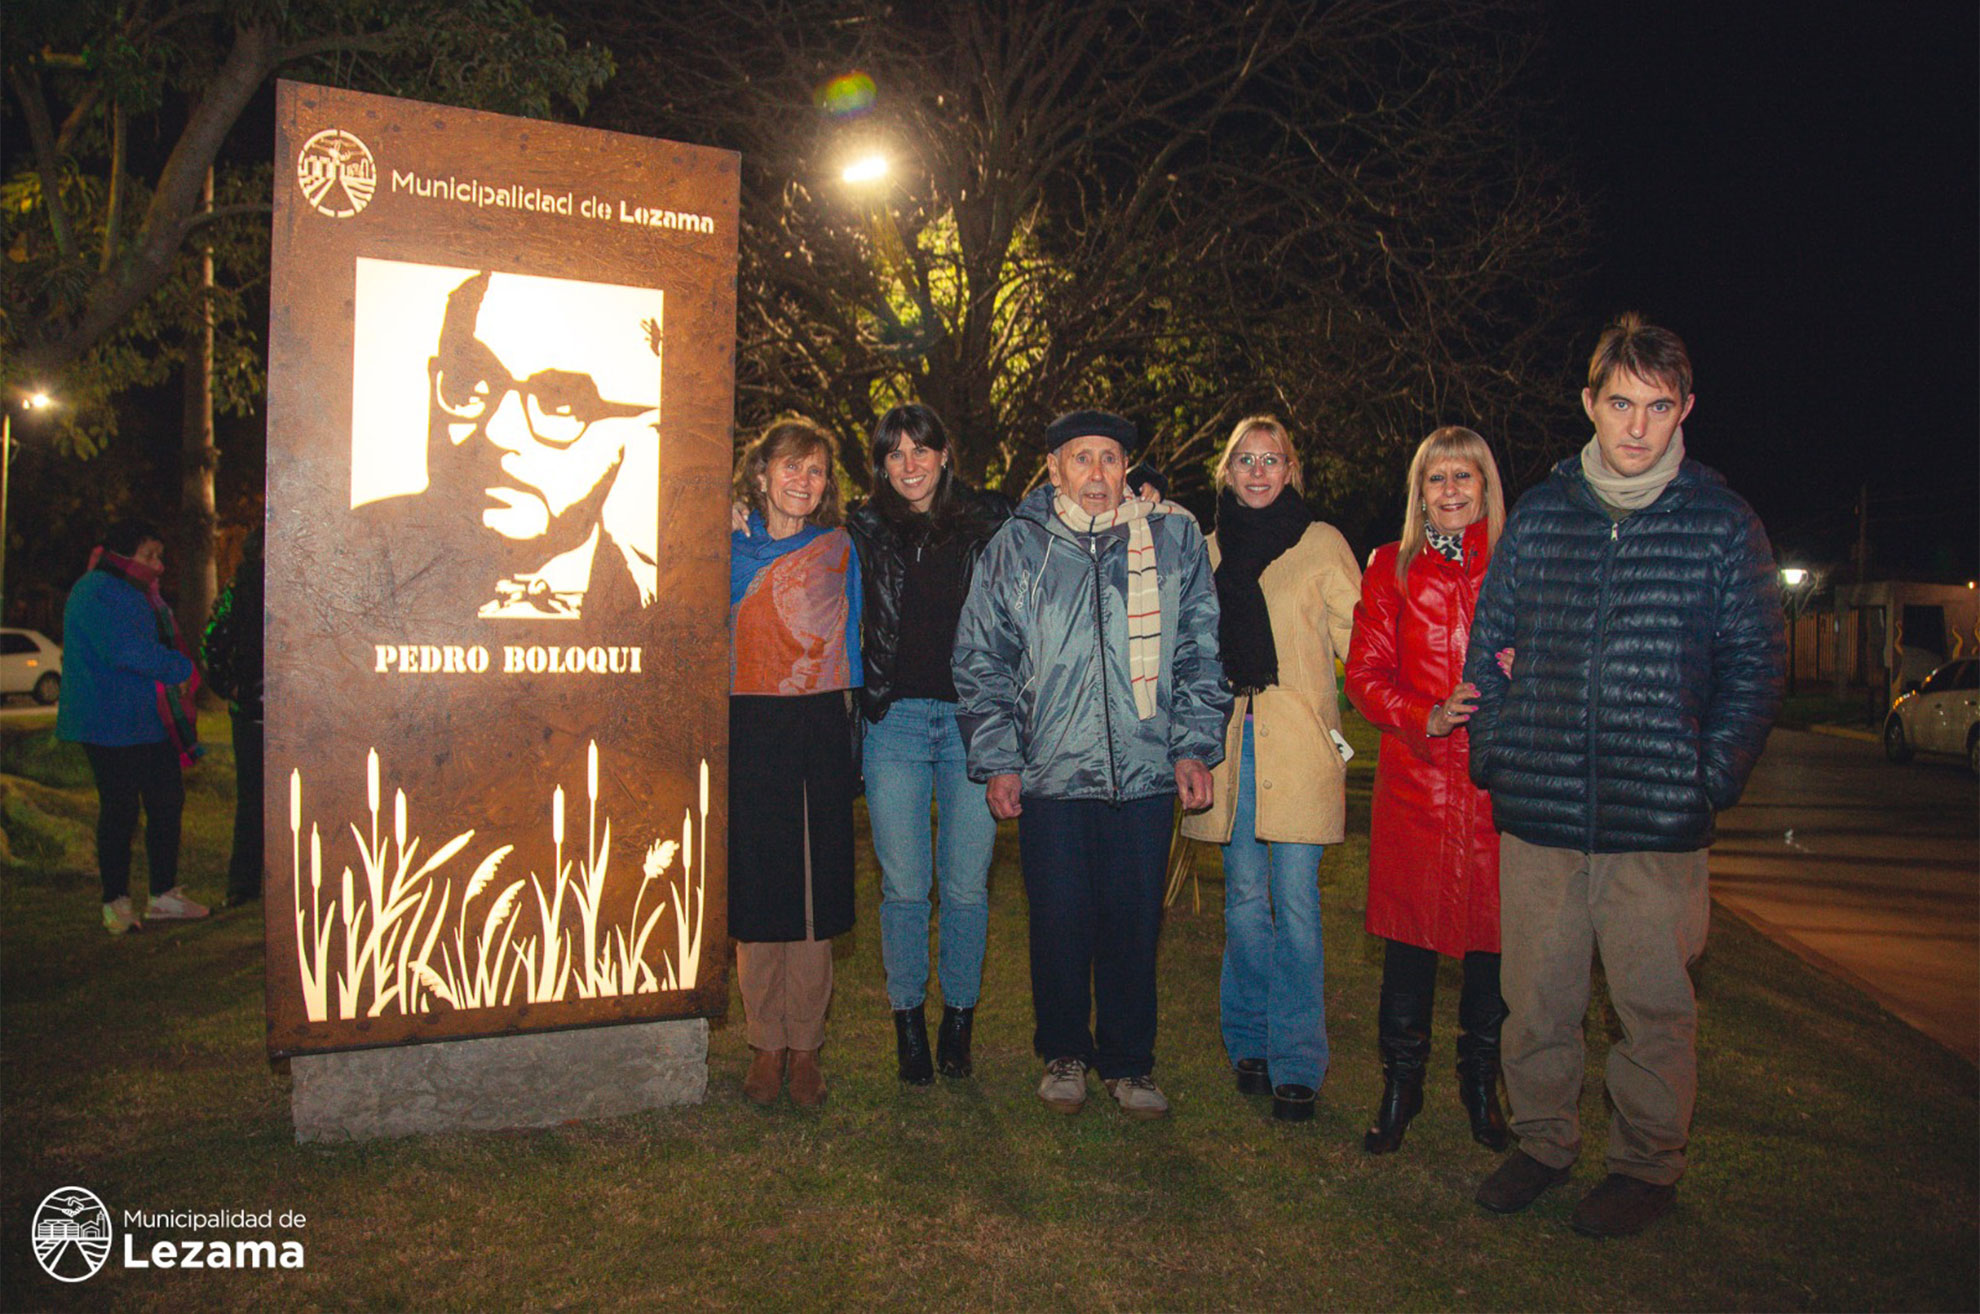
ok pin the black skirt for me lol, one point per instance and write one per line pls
(790, 772)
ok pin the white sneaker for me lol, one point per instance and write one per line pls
(1064, 1086)
(118, 917)
(174, 904)
(1139, 1097)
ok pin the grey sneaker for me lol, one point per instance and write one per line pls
(1139, 1097)
(174, 904)
(118, 917)
(1064, 1086)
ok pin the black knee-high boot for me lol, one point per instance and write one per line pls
(1481, 1013)
(1404, 1039)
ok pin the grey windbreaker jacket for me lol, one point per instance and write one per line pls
(1041, 663)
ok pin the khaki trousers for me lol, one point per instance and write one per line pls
(1647, 914)
(786, 986)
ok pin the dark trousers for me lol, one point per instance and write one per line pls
(126, 776)
(1093, 873)
(1412, 970)
(244, 868)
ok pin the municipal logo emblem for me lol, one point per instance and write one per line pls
(71, 1234)
(336, 173)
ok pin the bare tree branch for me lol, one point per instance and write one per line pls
(1186, 213)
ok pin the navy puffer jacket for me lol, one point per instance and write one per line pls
(1648, 665)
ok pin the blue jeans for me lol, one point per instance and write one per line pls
(912, 757)
(1272, 1000)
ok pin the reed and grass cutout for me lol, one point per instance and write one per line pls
(382, 943)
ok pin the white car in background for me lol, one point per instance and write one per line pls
(30, 663)
(1942, 715)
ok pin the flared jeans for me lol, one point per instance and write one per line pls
(914, 757)
(1272, 1001)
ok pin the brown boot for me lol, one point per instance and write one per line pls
(807, 1082)
(766, 1076)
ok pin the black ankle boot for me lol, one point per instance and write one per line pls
(1404, 1023)
(1478, 1070)
(911, 1046)
(952, 1041)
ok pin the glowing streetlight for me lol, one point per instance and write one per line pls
(865, 169)
(1794, 577)
(34, 401)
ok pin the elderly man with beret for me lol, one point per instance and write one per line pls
(1091, 698)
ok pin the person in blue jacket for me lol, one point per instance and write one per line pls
(121, 667)
(1090, 698)
(1628, 657)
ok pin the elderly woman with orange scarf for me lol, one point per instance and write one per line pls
(794, 612)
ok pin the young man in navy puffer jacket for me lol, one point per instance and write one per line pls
(1629, 658)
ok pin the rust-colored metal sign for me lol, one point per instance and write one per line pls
(500, 397)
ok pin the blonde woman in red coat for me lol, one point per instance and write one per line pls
(1433, 855)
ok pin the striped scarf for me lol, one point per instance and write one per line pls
(1144, 586)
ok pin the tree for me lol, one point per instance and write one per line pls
(127, 107)
(1182, 212)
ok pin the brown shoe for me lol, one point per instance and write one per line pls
(1621, 1205)
(766, 1076)
(1518, 1182)
(807, 1081)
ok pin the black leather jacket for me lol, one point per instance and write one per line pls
(883, 574)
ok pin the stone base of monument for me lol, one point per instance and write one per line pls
(538, 1079)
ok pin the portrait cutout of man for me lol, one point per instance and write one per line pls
(523, 412)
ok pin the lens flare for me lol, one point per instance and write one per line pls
(847, 95)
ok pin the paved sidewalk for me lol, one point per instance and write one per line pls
(1868, 870)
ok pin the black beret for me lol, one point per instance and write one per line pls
(1099, 424)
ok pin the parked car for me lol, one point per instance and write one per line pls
(1941, 716)
(30, 663)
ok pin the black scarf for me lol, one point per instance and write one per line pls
(1248, 541)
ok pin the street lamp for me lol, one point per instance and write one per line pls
(1797, 582)
(864, 175)
(34, 401)
(865, 169)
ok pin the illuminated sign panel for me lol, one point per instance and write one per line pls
(500, 398)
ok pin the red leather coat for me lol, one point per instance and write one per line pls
(1433, 855)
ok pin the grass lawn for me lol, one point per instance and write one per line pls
(1834, 1164)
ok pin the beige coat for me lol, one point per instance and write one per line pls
(1311, 592)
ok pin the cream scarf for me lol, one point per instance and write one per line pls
(1632, 492)
(1144, 586)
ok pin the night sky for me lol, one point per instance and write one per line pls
(1793, 190)
(1796, 191)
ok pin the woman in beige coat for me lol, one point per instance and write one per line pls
(1286, 586)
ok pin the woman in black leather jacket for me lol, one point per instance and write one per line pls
(918, 539)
